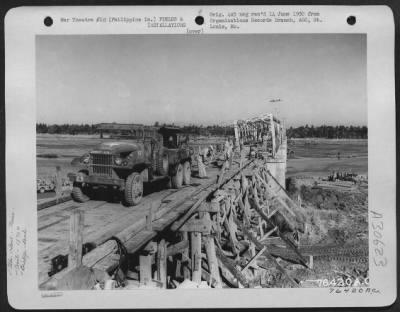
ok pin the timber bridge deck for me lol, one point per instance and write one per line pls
(213, 230)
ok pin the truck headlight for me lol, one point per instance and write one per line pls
(86, 159)
(118, 161)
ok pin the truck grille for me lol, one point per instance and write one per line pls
(101, 164)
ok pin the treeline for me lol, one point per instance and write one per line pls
(66, 129)
(209, 130)
(92, 129)
(330, 132)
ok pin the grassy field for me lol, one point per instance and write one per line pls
(318, 157)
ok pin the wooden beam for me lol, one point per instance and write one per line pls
(149, 218)
(270, 190)
(76, 227)
(185, 255)
(177, 224)
(227, 263)
(212, 207)
(254, 259)
(246, 219)
(162, 263)
(264, 216)
(145, 269)
(268, 173)
(269, 223)
(212, 261)
(227, 276)
(202, 225)
(195, 239)
(177, 248)
(273, 212)
(221, 174)
(150, 248)
(269, 257)
(269, 233)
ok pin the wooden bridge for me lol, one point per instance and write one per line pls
(215, 230)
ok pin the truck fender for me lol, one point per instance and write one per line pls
(145, 175)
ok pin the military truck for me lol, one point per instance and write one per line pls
(146, 154)
(43, 185)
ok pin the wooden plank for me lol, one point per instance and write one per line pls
(281, 188)
(221, 174)
(177, 248)
(54, 201)
(270, 190)
(246, 219)
(212, 261)
(202, 225)
(139, 240)
(231, 227)
(145, 269)
(149, 218)
(311, 261)
(269, 233)
(130, 231)
(76, 238)
(195, 239)
(254, 259)
(264, 216)
(227, 276)
(230, 266)
(284, 205)
(260, 226)
(182, 220)
(162, 263)
(268, 256)
(269, 223)
(212, 207)
(150, 248)
(185, 255)
(273, 212)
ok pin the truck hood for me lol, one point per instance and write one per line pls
(117, 147)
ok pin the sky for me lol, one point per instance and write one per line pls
(202, 79)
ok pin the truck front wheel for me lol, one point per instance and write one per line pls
(177, 178)
(187, 173)
(78, 194)
(134, 189)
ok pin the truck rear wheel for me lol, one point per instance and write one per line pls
(133, 189)
(177, 178)
(187, 173)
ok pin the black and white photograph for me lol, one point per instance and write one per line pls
(197, 150)
(183, 162)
